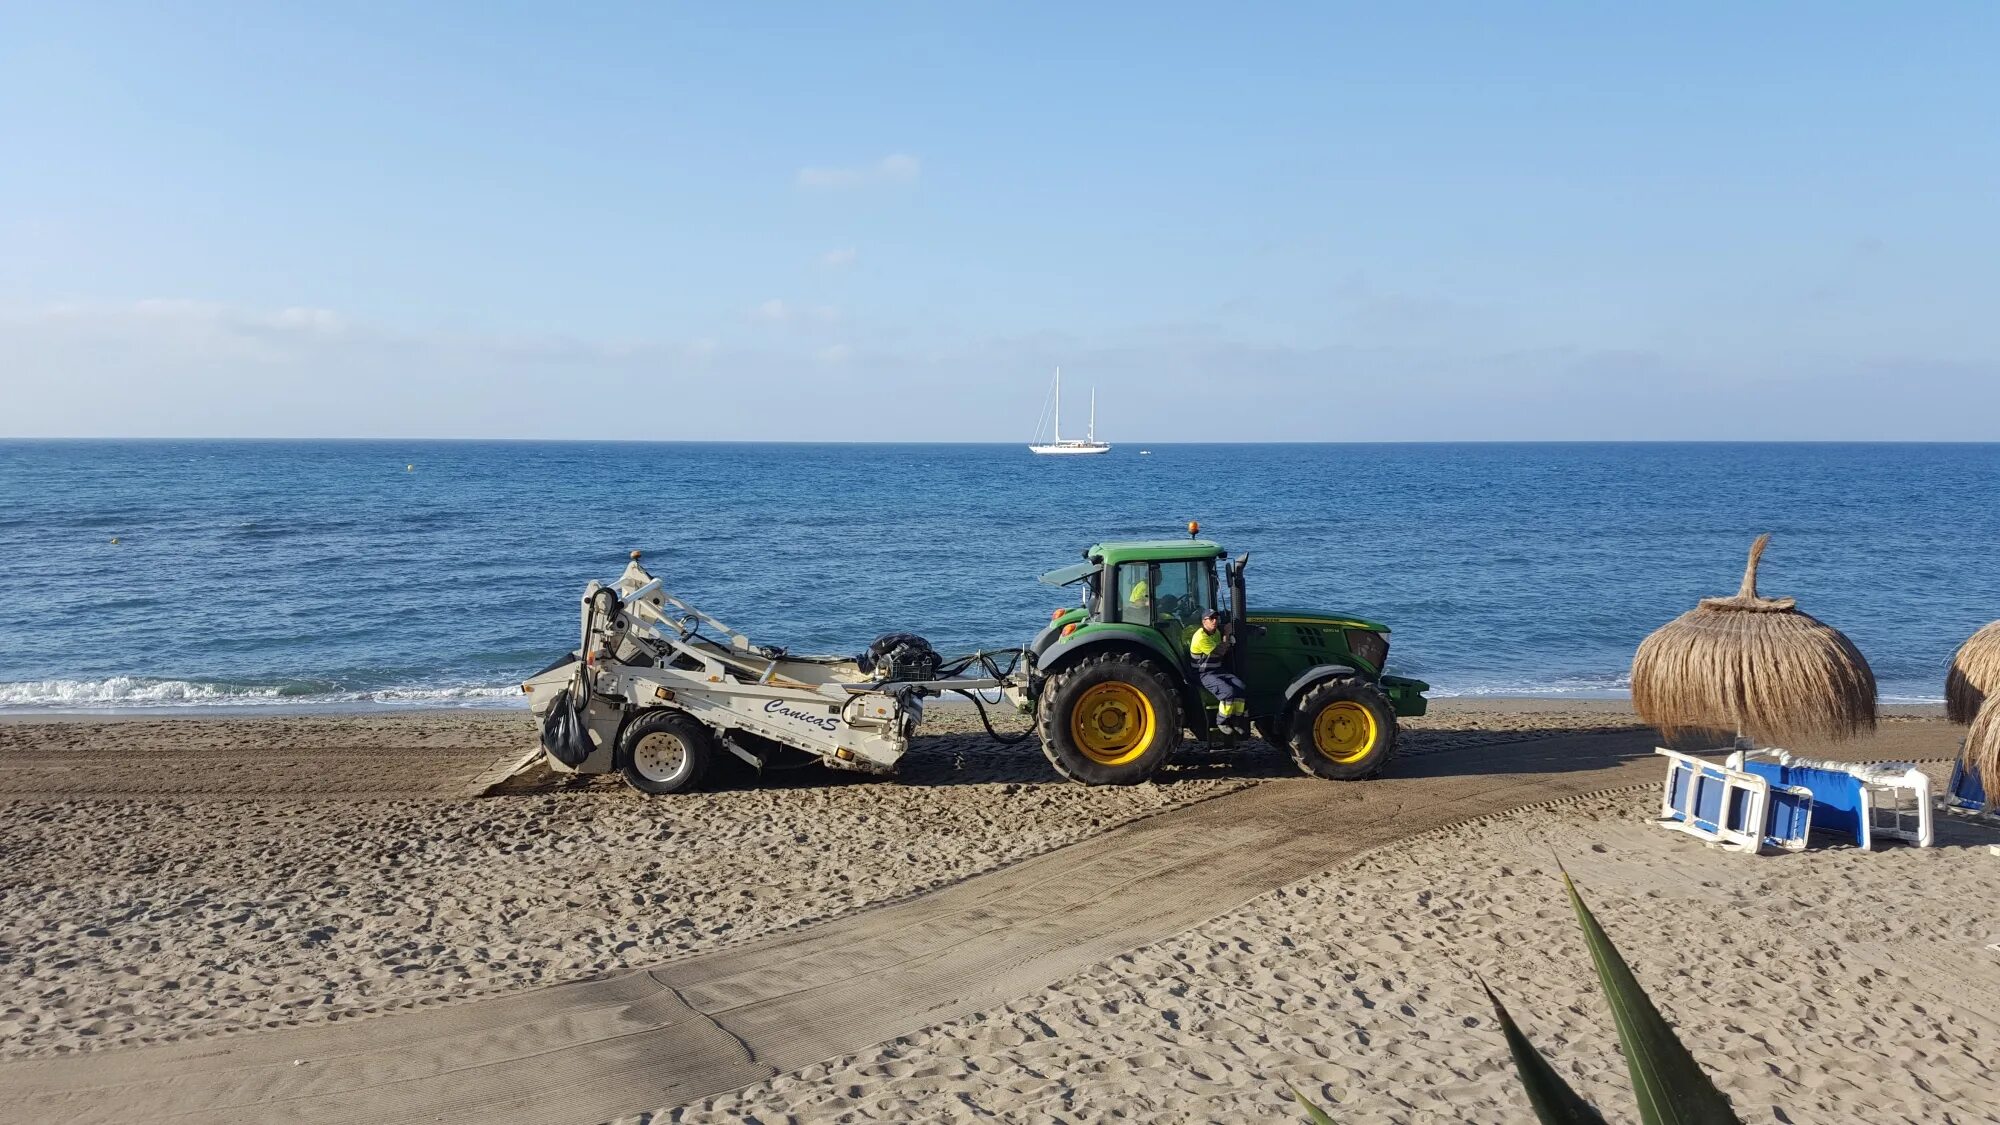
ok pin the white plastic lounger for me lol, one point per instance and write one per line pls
(1890, 800)
(1788, 824)
(1732, 808)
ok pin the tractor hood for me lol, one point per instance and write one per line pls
(1265, 616)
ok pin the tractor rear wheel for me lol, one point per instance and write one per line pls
(665, 751)
(1343, 730)
(1109, 720)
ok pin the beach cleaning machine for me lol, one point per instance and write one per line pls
(657, 690)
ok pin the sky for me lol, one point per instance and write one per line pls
(883, 222)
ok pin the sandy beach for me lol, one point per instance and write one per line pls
(181, 880)
(1816, 988)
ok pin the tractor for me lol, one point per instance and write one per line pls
(1111, 686)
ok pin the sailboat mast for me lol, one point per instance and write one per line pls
(1058, 406)
(1091, 433)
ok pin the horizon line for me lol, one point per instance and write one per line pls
(5, 439)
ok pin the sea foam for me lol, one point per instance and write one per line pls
(117, 692)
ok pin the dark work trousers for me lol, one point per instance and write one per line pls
(1222, 686)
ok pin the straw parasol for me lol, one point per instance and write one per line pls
(1756, 666)
(1974, 675)
(1981, 753)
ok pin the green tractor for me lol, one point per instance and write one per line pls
(1111, 686)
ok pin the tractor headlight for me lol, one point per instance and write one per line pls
(1370, 646)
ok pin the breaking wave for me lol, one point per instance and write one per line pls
(118, 692)
(1611, 685)
(1615, 685)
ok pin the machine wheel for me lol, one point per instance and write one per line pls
(1272, 731)
(1109, 720)
(1343, 730)
(665, 752)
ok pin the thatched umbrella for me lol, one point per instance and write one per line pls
(1756, 666)
(1981, 753)
(1974, 675)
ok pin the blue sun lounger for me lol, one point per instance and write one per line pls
(1733, 808)
(1964, 793)
(1889, 801)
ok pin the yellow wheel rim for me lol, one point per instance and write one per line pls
(1112, 723)
(1345, 731)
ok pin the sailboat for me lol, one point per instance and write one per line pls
(1089, 444)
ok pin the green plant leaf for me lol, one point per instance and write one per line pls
(1554, 1102)
(1671, 1087)
(1314, 1114)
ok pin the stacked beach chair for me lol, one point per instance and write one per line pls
(1965, 795)
(1771, 799)
(1774, 674)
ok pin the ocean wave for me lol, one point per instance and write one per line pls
(1599, 685)
(1619, 686)
(444, 696)
(137, 692)
(143, 693)
(127, 691)
(254, 531)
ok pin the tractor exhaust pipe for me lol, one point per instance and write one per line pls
(1239, 615)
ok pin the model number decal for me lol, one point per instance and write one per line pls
(823, 722)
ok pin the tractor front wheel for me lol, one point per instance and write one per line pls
(1109, 720)
(1343, 730)
(1273, 731)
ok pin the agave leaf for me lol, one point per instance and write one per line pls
(1554, 1102)
(1314, 1114)
(1671, 1087)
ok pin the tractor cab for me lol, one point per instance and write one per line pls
(1159, 586)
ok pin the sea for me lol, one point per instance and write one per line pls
(165, 575)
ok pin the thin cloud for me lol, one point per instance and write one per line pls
(839, 259)
(896, 168)
(780, 311)
(204, 315)
(193, 368)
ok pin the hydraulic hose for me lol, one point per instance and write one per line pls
(979, 705)
(992, 667)
(987, 661)
(584, 679)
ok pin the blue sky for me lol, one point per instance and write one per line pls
(1310, 222)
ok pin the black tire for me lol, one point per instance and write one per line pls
(1273, 731)
(1124, 693)
(665, 751)
(1343, 730)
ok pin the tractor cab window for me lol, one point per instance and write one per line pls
(1135, 593)
(1165, 594)
(1183, 592)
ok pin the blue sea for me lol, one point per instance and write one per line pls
(310, 574)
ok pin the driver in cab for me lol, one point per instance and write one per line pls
(1208, 649)
(1139, 602)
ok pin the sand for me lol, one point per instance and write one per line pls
(1824, 987)
(166, 875)
(237, 899)
(169, 877)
